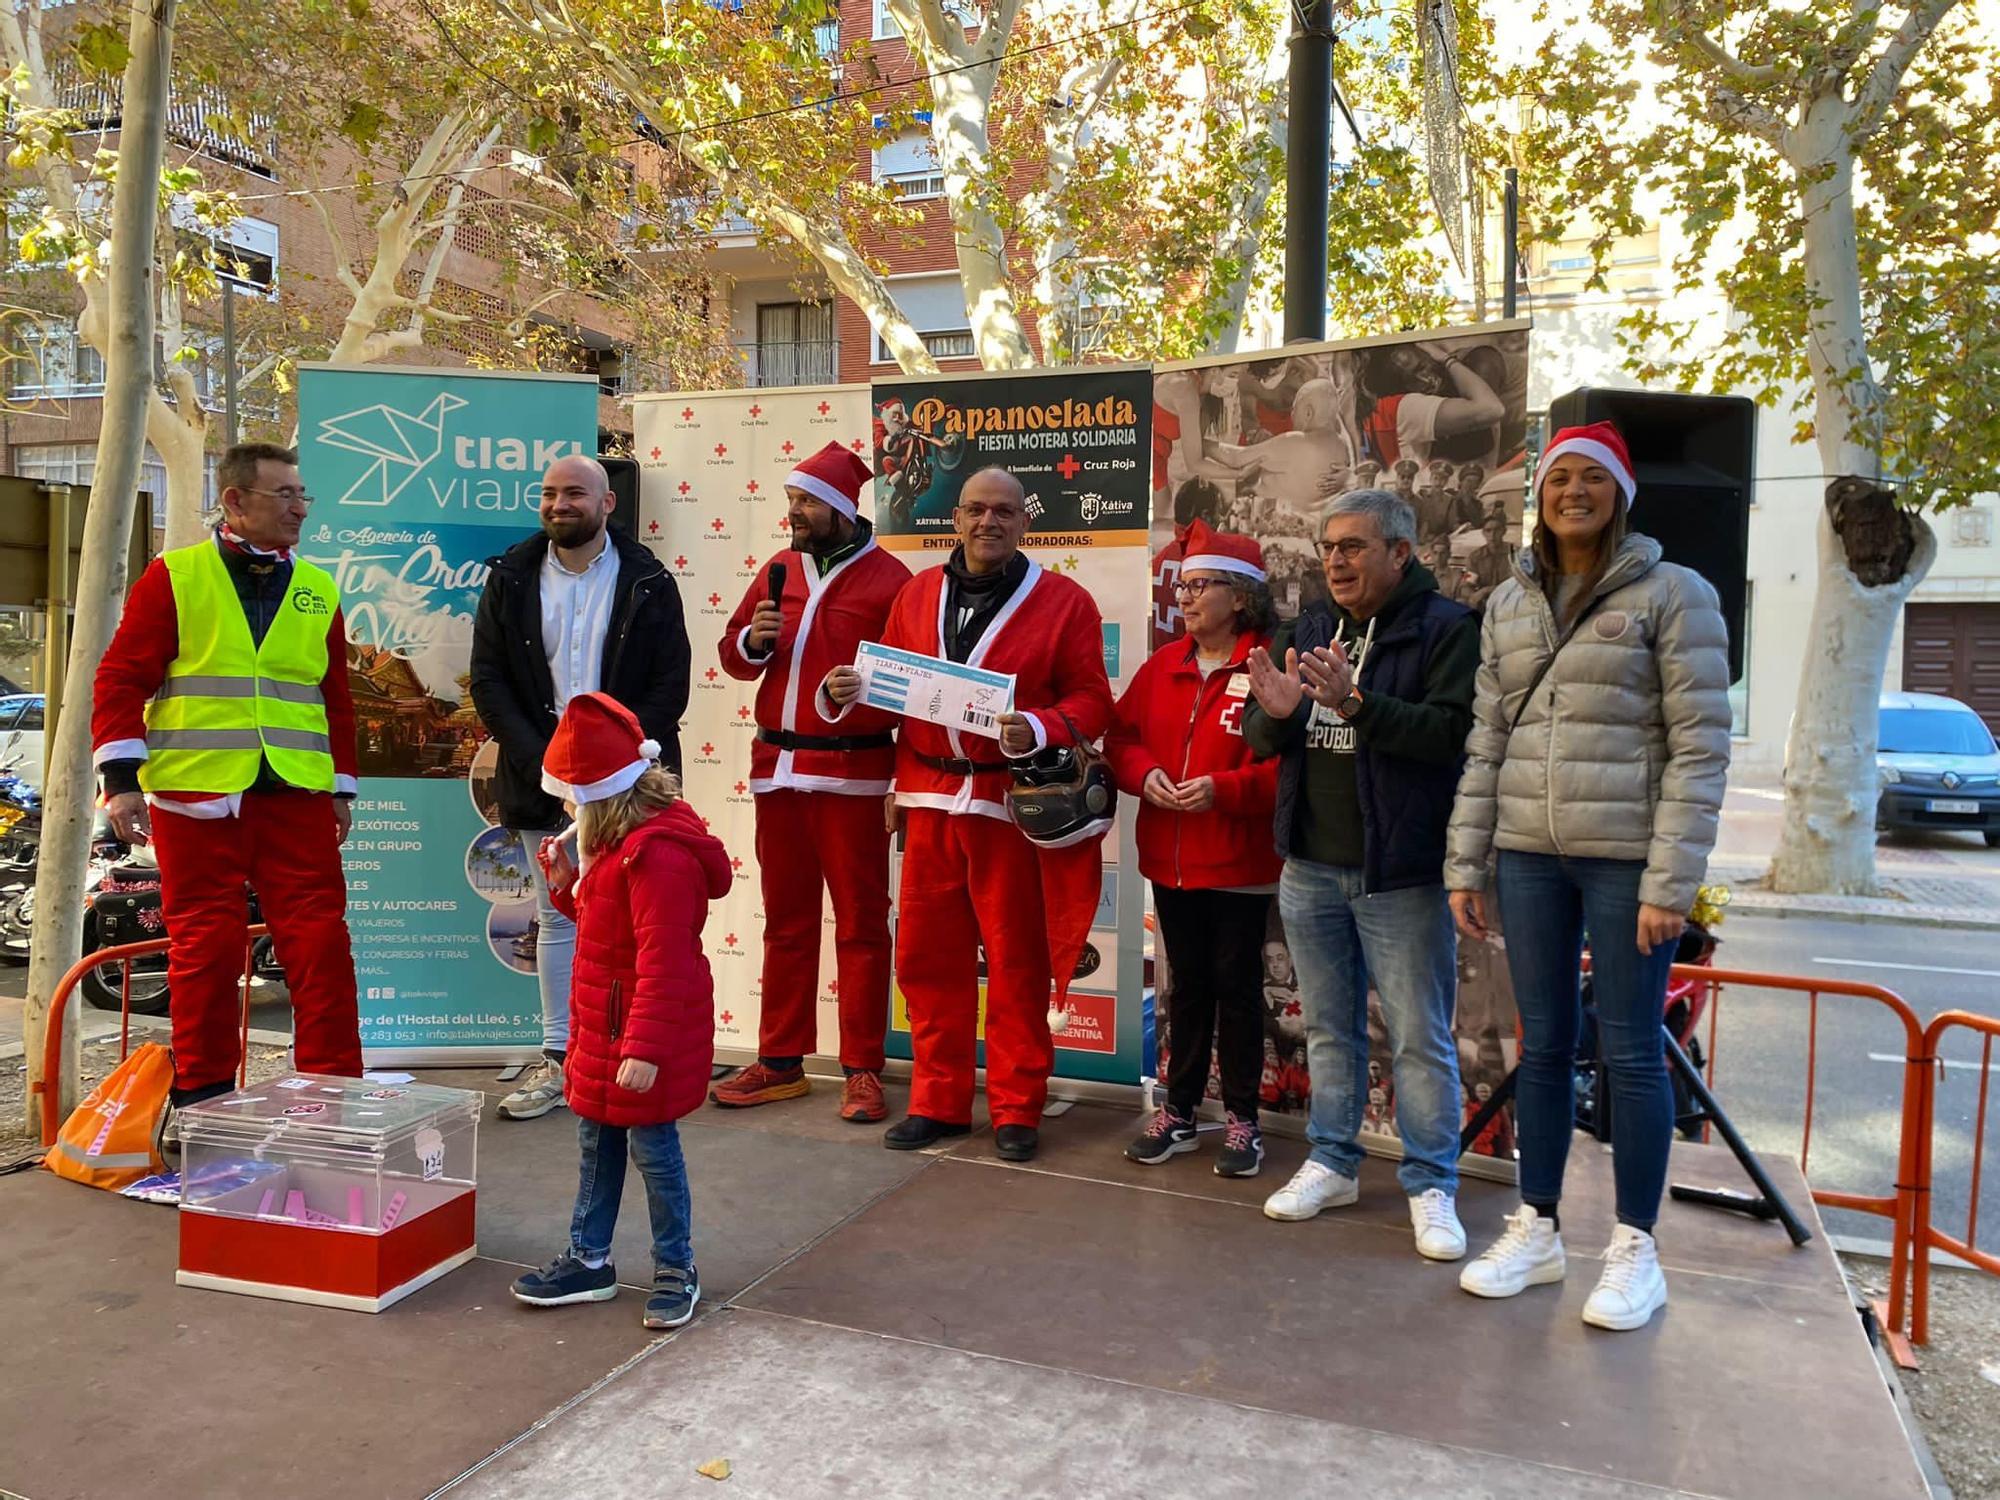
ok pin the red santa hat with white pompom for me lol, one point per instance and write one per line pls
(599, 750)
(1601, 443)
(833, 475)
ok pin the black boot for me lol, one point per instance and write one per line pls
(1016, 1142)
(919, 1131)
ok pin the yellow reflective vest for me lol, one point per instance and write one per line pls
(229, 704)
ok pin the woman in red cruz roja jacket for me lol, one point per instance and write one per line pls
(642, 1001)
(1205, 842)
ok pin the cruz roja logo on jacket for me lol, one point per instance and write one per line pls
(1325, 729)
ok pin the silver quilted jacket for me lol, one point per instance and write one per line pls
(1623, 749)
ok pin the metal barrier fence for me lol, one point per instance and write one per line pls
(1926, 1237)
(52, 1038)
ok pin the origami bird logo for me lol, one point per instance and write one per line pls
(400, 444)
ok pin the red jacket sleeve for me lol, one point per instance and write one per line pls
(1125, 743)
(1248, 790)
(134, 666)
(672, 990)
(734, 662)
(339, 695)
(1083, 692)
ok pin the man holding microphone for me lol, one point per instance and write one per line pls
(818, 788)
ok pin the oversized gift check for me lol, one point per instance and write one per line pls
(931, 688)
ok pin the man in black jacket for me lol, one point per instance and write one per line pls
(577, 608)
(1367, 704)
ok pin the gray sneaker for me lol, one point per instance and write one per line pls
(540, 1091)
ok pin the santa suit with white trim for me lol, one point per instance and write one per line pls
(970, 878)
(819, 785)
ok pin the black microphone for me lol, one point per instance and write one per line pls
(777, 582)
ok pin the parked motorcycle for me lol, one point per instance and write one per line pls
(20, 833)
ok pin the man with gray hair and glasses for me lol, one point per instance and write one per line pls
(1367, 703)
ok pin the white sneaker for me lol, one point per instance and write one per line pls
(1631, 1289)
(1529, 1254)
(1434, 1215)
(540, 1091)
(1312, 1188)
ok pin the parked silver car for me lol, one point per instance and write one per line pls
(1939, 766)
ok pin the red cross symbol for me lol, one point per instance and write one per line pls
(743, 712)
(707, 749)
(736, 864)
(729, 940)
(687, 413)
(741, 788)
(1069, 468)
(750, 563)
(680, 562)
(716, 524)
(656, 453)
(714, 599)
(787, 450)
(753, 486)
(756, 411)
(824, 408)
(685, 486)
(833, 986)
(855, 445)
(727, 1018)
(653, 528)
(720, 450)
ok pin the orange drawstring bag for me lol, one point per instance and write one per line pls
(112, 1138)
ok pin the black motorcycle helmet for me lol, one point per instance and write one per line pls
(1062, 794)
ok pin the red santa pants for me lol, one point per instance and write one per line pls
(809, 843)
(284, 847)
(972, 882)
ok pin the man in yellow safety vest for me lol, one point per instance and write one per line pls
(224, 733)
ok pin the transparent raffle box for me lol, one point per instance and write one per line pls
(336, 1191)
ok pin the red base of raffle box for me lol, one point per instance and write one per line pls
(334, 1191)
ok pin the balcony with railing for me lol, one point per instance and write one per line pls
(198, 117)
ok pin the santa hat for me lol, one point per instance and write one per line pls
(834, 475)
(1601, 443)
(1224, 551)
(599, 750)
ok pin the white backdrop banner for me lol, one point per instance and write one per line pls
(712, 509)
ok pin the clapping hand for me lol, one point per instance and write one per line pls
(1276, 689)
(1326, 675)
(1196, 795)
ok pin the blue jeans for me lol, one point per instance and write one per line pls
(1339, 937)
(1547, 903)
(555, 946)
(601, 1182)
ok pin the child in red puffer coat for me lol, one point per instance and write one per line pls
(642, 1002)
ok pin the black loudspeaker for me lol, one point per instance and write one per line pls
(1694, 458)
(624, 476)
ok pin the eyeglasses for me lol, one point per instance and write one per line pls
(1194, 588)
(1351, 548)
(284, 496)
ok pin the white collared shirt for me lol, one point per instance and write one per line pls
(576, 614)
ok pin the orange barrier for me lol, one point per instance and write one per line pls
(52, 1038)
(1926, 1238)
(1906, 1204)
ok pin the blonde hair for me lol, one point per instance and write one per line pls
(604, 824)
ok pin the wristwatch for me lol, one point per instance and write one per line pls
(1349, 706)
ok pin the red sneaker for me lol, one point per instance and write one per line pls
(861, 1099)
(758, 1084)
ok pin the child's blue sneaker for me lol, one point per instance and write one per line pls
(675, 1292)
(567, 1279)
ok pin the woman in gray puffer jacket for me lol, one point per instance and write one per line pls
(1595, 769)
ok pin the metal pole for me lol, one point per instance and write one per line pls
(228, 361)
(1511, 233)
(1308, 156)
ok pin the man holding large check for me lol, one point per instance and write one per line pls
(989, 658)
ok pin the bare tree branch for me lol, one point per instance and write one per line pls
(1677, 24)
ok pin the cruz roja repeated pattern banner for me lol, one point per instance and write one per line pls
(1080, 442)
(712, 508)
(420, 478)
